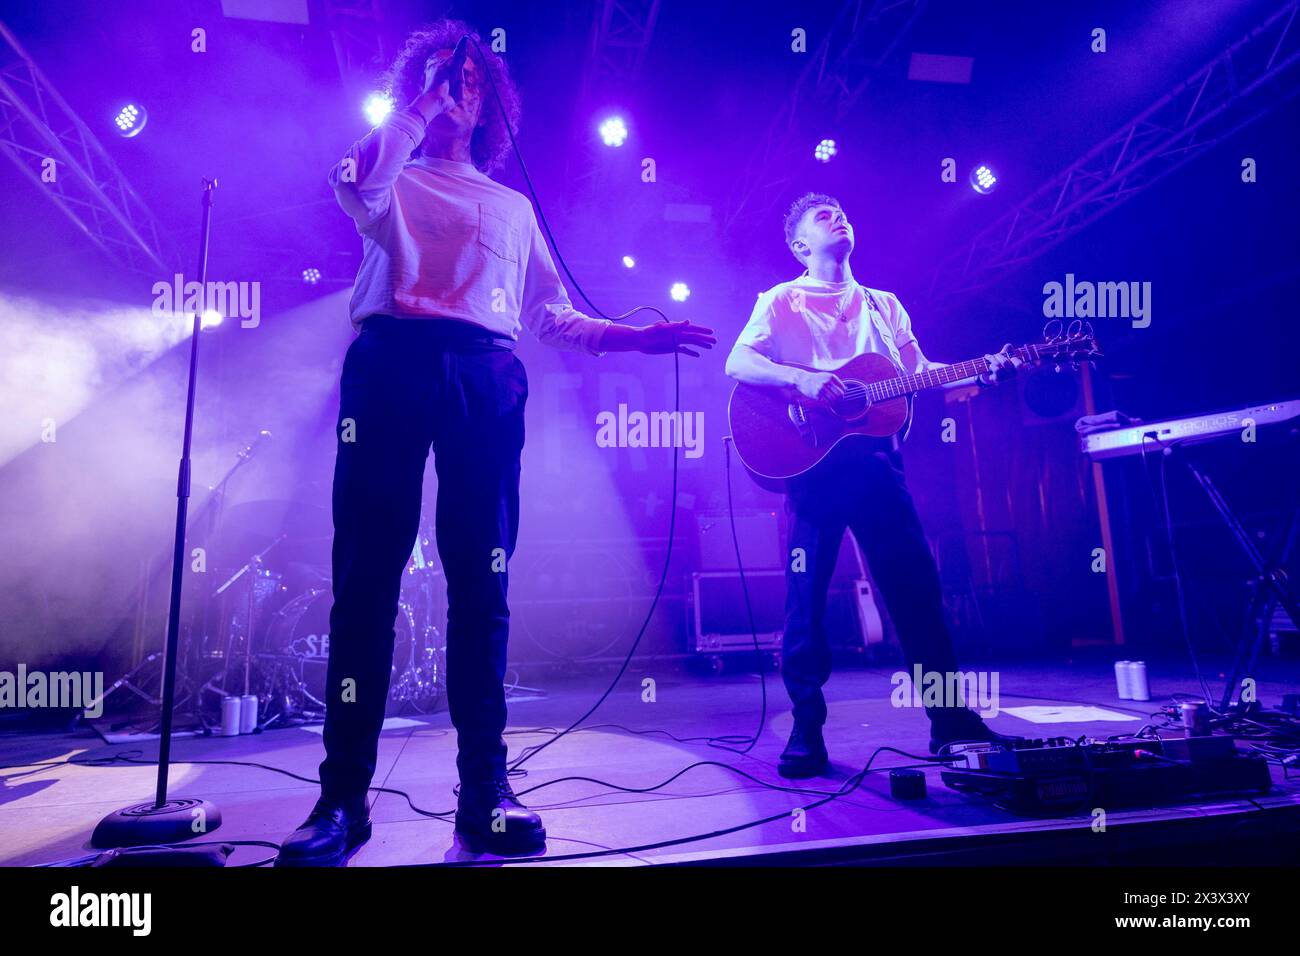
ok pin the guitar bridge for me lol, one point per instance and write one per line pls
(798, 416)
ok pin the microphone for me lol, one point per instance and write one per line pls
(457, 67)
(250, 447)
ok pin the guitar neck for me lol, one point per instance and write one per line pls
(901, 385)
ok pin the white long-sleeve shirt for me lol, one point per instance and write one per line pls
(440, 239)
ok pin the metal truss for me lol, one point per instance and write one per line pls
(36, 124)
(863, 37)
(356, 31)
(620, 38)
(1243, 83)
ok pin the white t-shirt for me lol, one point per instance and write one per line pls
(824, 324)
(440, 239)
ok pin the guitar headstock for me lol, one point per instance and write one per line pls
(1067, 345)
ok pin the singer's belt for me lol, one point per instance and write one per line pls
(449, 333)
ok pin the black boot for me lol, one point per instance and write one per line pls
(490, 819)
(805, 754)
(329, 835)
(962, 726)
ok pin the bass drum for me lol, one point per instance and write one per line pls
(299, 642)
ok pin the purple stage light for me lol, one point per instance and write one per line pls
(613, 131)
(825, 150)
(377, 107)
(130, 120)
(629, 262)
(982, 180)
(210, 319)
(311, 275)
(680, 291)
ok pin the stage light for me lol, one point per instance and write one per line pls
(377, 107)
(311, 275)
(211, 319)
(680, 291)
(629, 262)
(614, 131)
(130, 120)
(825, 150)
(982, 180)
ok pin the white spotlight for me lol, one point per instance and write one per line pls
(377, 107)
(982, 180)
(613, 132)
(130, 120)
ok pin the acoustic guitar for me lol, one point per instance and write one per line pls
(777, 437)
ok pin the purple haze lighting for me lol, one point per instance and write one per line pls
(210, 319)
(825, 150)
(982, 180)
(938, 68)
(680, 291)
(613, 131)
(377, 107)
(130, 120)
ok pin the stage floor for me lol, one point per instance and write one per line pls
(47, 813)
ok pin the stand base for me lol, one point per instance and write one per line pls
(146, 825)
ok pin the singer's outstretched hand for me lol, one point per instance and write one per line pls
(658, 339)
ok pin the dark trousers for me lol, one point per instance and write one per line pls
(858, 486)
(409, 386)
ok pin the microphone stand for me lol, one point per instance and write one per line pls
(163, 820)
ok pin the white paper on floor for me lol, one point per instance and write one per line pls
(1074, 714)
(390, 723)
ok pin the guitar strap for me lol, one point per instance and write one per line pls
(877, 315)
(894, 441)
(877, 318)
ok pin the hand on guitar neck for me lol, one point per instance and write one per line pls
(1002, 366)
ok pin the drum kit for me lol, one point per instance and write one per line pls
(264, 631)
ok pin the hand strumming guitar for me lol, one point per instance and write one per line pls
(824, 386)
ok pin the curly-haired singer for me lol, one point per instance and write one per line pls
(453, 265)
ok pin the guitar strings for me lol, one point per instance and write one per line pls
(901, 385)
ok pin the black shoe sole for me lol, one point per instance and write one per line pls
(802, 771)
(500, 844)
(355, 840)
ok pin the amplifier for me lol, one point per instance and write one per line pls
(759, 535)
(720, 621)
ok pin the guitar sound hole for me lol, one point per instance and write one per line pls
(855, 402)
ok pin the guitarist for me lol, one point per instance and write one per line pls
(821, 320)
